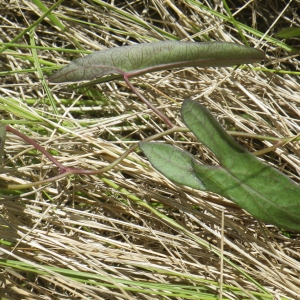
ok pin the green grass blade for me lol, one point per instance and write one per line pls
(235, 23)
(242, 26)
(34, 24)
(40, 73)
(2, 141)
(49, 15)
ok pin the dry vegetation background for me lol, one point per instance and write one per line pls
(94, 237)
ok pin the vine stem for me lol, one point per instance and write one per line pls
(36, 146)
(66, 171)
(148, 103)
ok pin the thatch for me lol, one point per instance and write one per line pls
(95, 237)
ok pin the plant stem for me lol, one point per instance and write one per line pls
(37, 146)
(66, 171)
(149, 104)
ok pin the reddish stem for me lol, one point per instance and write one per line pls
(62, 168)
(37, 146)
(149, 104)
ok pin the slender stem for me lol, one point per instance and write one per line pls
(269, 149)
(66, 171)
(35, 145)
(149, 104)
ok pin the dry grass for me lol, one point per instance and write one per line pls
(101, 237)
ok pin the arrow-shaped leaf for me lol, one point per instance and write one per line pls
(256, 187)
(172, 162)
(129, 61)
(149, 57)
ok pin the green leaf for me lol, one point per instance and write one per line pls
(2, 141)
(257, 194)
(172, 162)
(287, 33)
(261, 190)
(209, 132)
(149, 57)
(130, 61)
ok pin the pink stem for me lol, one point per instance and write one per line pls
(59, 165)
(36, 145)
(149, 104)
